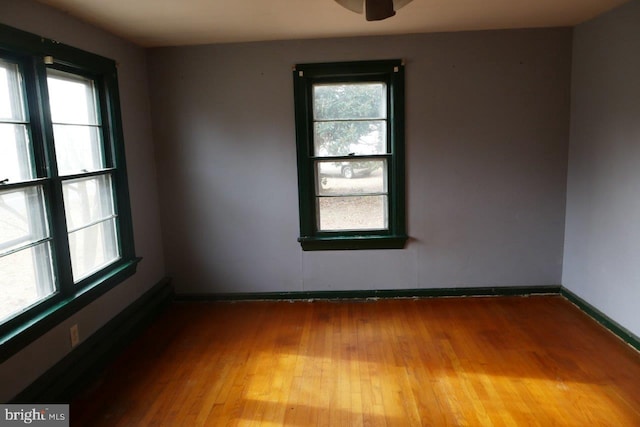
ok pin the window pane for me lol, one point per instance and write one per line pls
(352, 213)
(93, 248)
(340, 138)
(11, 99)
(351, 177)
(72, 99)
(78, 149)
(22, 218)
(26, 277)
(76, 128)
(87, 200)
(16, 162)
(349, 101)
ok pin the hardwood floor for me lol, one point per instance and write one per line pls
(506, 361)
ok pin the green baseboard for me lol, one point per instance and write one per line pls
(383, 293)
(622, 333)
(69, 376)
(76, 370)
(600, 317)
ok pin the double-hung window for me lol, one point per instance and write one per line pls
(65, 222)
(350, 146)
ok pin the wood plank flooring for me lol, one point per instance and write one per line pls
(505, 361)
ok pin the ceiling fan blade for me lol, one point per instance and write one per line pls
(397, 4)
(356, 6)
(378, 10)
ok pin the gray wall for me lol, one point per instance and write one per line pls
(487, 130)
(17, 372)
(602, 241)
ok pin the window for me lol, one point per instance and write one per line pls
(350, 146)
(65, 221)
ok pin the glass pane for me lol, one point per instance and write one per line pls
(22, 218)
(16, 163)
(87, 200)
(76, 127)
(72, 99)
(26, 277)
(11, 100)
(352, 213)
(351, 177)
(349, 101)
(78, 149)
(93, 248)
(352, 137)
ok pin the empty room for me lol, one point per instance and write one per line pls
(327, 212)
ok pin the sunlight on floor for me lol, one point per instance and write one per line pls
(330, 390)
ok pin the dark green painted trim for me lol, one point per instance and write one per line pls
(352, 242)
(27, 51)
(13, 39)
(340, 70)
(593, 312)
(382, 293)
(69, 376)
(622, 333)
(304, 77)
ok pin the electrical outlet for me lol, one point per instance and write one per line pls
(75, 335)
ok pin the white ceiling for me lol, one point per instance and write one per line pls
(186, 22)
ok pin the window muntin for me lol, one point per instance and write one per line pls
(27, 279)
(351, 195)
(87, 201)
(349, 118)
(25, 250)
(24, 222)
(93, 248)
(349, 132)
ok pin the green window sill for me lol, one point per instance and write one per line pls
(353, 242)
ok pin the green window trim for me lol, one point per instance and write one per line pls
(22, 333)
(391, 74)
(34, 56)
